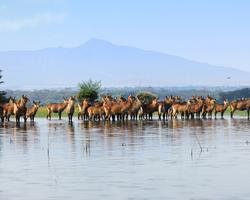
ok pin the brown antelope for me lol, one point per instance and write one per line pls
(161, 110)
(107, 98)
(150, 108)
(83, 109)
(118, 108)
(134, 109)
(126, 106)
(209, 106)
(20, 108)
(96, 111)
(1, 114)
(70, 108)
(31, 112)
(8, 108)
(168, 102)
(195, 107)
(240, 104)
(112, 108)
(141, 113)
(177, 99)
(180, 107)
(56, 108)
(221, 108)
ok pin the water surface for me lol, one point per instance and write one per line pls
(194, 159)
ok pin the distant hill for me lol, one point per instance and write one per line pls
(56, 95)
(236, 94)
(113, 64)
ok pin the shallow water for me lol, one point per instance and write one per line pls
(195, 159)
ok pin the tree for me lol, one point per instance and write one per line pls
(146, 97)
(89, 89)
(2, 93)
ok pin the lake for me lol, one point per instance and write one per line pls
(191, 159)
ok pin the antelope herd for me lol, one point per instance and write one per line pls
(109, 108)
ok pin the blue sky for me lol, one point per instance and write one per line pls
(212, 31)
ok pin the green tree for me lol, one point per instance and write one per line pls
(89, 89)
(146, 96)
(2, 93)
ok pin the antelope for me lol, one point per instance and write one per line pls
(31, 112)
(221, 108)
(240, 104)
(140, 113)
(126, 106)
(168, 102)
(150, 108)
(177, 99)
(83, 109)
(56, 108)
(96, 111)
(181, 108)
(1, 114)
(8, 108)
(70, 108)
(119, 108)
(195, 107)
(208, 107)
(112, 109)
(161, 110)
(107, 98)
(20, 108)
(134, 109)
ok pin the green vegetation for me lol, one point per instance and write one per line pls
(236, 113)
(44, 96)
(42, 113)
(146, 96)
(89, 90)
(2, 93)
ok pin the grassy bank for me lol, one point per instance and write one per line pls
(42, 112)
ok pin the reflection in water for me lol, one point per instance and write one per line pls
(142, 159)
(20, 135)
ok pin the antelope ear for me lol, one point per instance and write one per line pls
(34, 102)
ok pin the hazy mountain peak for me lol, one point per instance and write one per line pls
(114, 65)
(97, 42)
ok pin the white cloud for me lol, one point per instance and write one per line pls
(35, 21)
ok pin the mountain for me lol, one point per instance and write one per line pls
(114, 65)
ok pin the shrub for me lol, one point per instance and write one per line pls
(89, 89)
(2, 93)
(146, 97)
